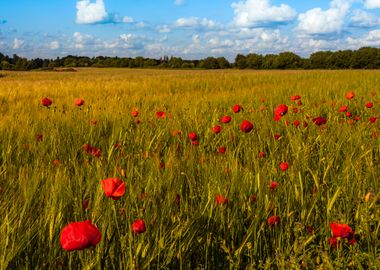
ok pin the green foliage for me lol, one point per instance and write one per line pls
(364, 58)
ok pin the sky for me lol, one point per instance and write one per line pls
(191, 29)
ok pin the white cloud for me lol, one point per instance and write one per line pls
(372, 4)
(372, 38)
(256, 13)
(81, 40)
(193, 22)
(179, 2)
(91, 13)
(321, 22)
(140, 24)
(195, 39)
(54, 45)
(126, 37)
(361, 18)
(163, 29)
(127, 19)
(17, 43)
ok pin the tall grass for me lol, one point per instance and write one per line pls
(45, 177)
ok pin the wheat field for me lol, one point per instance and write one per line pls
(48, 178)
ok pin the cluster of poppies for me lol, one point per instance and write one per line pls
(81, 235)
(84, 234)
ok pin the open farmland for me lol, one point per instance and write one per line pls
(230, 197)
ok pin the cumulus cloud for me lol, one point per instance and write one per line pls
(91, 13)
(95, 13)
(361, 18)
(130, 41)
(257, 13)
(324, 22)
(17, 43)
(127, 19)
(372, 38)
(54, 45)
(195, 39)
(81, 40)
(163, 29)
(372, 4)
(195, 22)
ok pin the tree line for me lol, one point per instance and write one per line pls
(363, 58)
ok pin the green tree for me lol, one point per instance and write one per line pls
(241, 61)
(254, 61)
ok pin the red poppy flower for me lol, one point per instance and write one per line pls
(273, 220)
(252, 198)
(79, 102)
(246, 126)
(56, 162)
(277, 117)
(277, 136)
(333, 241)
(309, 229)
(237, 108)
(217, 129)
(196, 143)
(369, 105)
(160, 114)
(350, 95)
(137, 121)
(135, 113)
(39, 137)
(46, 102)
(343, 109)
(299, 102)
(138, 226)
(262, 154)
(79, 235)
(295, 110)
(87, 148)
(341, 230)
(296, 123)
(294, 98)
(220, 199)
(281, 110)
(114, 188)
(349, 114)
(319, 121)
(284, 166)
(96, 152)
(373, 119)
(225, 119)
(193, 136)
(273, 185)
(222, 149)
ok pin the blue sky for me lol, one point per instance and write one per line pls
(187, 28)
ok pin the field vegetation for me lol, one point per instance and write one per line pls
(301, 192)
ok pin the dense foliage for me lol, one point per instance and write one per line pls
(364, 58)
